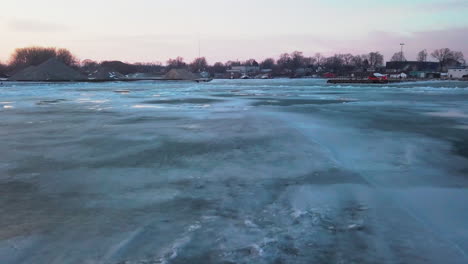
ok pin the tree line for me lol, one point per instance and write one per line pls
(286, 64)
(22, 58)
(443, 56)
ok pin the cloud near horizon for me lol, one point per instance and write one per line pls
(34, 26)
(148, 48)
(146, 31)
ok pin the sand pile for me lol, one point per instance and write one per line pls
(51, 70)
(180, 74)
(105, 73)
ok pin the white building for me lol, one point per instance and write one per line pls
(457, 72)
(399, 76)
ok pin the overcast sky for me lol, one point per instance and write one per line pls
(155, 30)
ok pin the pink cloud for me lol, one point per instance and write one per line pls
(25, 25)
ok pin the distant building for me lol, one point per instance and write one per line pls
(451, 63)
(457, 72)
(398, 75)
(411, 66)
(425, 74)
(244, 69)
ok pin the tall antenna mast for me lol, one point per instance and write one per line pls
(401, 52)
(199, 46)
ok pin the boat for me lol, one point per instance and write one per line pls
(203, 80)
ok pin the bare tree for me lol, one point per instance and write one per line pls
(176, 63)
(3, 69)
(347, 58)
(319, 58)
(66, 57)
(334, 63)
(251, 62)
(33, 56)
(198, 65)
(148, 67)
(422, 56)
(375, 59)
(89, 65)
(458, 56)
(268, 63)
(357, 61)
(442, 55)
(445, 55)
(399, 56)
(297, 60)
(232, 63)
(24, 57)
(284, 62)
(219, 67)
(309, 61)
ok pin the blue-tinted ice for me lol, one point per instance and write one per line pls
(270, 171)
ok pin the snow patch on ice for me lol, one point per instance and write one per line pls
(249, 223)
(298, 213)
(194, 227)
(449, 114)
(147, 106)
(462, 127)
(88, 100)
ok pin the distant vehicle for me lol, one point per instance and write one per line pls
(205, 74)
(378, 77)
(203, 80)
(329, 75)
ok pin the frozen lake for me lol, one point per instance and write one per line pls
(233, 171)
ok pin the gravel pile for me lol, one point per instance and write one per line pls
(180, 74)
(51, 70)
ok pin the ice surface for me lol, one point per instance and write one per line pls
(233, 171)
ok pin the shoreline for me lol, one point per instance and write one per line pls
(365, 81)
(104, 80)
(328, 81)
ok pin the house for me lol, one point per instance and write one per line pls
(457, 72)
(451, 63)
